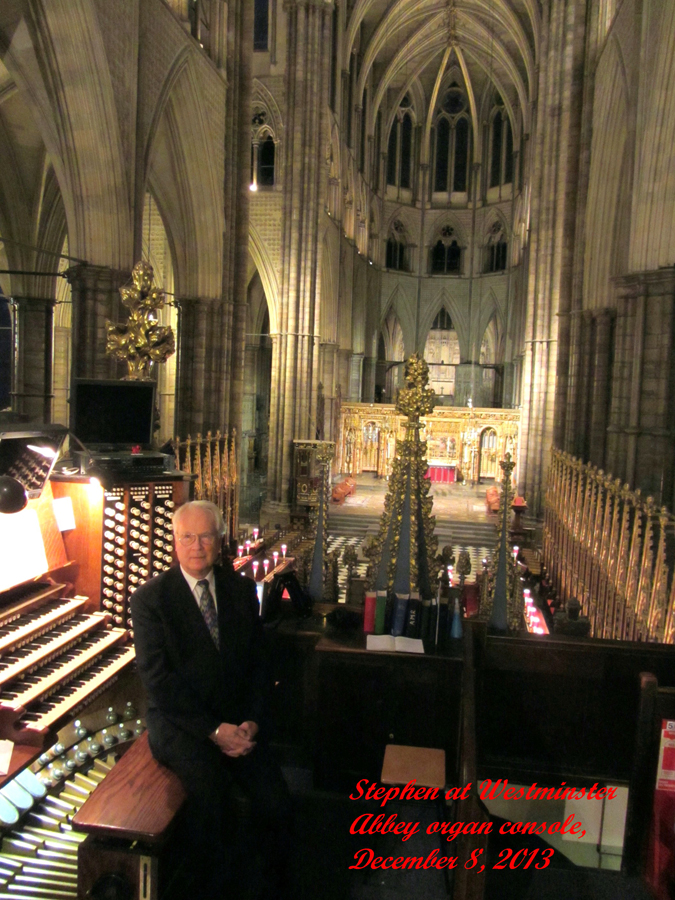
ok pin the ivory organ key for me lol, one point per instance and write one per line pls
(34, 623)
(44, 649)
(48, 678)
(67, 701)
(28, 600)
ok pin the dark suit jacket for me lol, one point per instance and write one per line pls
(192, 687)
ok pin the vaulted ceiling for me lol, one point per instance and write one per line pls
(420, 46)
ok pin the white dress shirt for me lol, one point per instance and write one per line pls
(197, 592)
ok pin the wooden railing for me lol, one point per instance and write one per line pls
(612, 550)
(213, 462)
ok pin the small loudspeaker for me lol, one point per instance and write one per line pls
(122, 871)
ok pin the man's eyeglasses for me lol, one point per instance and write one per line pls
(208, 539)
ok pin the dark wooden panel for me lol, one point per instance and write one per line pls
(559, 708)
(367, 700)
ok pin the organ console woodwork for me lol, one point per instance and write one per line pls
(65, 639)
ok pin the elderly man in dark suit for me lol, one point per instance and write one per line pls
(199, 646)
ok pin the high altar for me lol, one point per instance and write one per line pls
(462, 443)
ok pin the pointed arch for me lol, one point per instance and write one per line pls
(456, 311)
(403, 308)
(268, 275)
(442, 353)
(79, 128)
(183, 177)
(262, 96)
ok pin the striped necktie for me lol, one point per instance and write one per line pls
(208, 609)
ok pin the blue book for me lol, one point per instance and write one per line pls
(400, 614)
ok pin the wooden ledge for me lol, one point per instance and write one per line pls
(402, 764)
(137, 801)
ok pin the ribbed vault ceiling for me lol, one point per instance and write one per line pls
(414, 45)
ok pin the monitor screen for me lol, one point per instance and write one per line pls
(112, 414)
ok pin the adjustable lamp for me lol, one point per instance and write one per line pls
(13, 496)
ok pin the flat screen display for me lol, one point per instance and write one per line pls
(112, 414)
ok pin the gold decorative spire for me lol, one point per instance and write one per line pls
(406, 546)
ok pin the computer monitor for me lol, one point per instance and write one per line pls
(113, 415)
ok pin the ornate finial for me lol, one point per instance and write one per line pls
(140, 341)
(507, 465)
(416, 399)
(325, 452)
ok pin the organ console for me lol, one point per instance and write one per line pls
(65, 638)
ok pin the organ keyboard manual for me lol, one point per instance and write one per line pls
(65, 582)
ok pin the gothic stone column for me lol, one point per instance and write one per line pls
(295, 366)
(202, 378)
(601, 387)
(32, 384)
(96, 298)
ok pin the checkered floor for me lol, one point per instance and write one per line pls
(339, 542)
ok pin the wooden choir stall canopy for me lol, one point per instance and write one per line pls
(462, 443)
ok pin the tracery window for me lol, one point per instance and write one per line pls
(396, 253)
(452, 143)
(400, 147)
(263, 151)
(261, 25)
(266, 154)
(446, 254)
(441, 352)
(501, 146)
(496, 249)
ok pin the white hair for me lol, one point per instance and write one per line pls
(207, 506)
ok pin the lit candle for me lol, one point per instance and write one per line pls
(283, 550)
(255, 569)
(515, 552)
(240, 550)
(266, 565)
(256, 531)
(275, 556)
(248, 547)
(450, 575)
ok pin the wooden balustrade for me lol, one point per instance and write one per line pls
(612, 550)
(213, 462)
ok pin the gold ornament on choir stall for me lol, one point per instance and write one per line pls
(213, 460)
(607, 547)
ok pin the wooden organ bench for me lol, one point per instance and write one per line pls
(128, 819)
